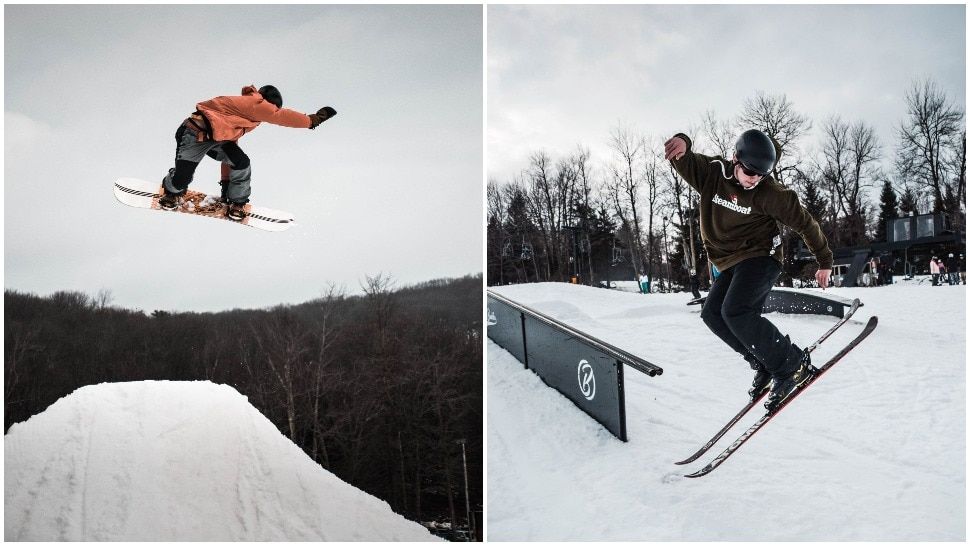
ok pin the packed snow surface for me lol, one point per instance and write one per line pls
(175, 461)
(874, 451)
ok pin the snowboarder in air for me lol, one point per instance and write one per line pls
(214, 129)
(741, 208)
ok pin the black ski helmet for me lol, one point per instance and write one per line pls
(272, 94)
(756, 151)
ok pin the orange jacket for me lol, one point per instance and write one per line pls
(232, 117)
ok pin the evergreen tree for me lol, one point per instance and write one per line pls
(888, 209)
(815, 203)
(908, 202)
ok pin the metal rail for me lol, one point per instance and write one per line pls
(631, 360)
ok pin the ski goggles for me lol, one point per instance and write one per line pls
(749, 172)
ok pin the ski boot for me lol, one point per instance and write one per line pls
(783, 385)
(761, 378)
(236, 212)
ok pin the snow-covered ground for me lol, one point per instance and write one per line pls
(176, 461)
(874, 451)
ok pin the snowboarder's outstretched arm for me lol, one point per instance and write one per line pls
(266, 111)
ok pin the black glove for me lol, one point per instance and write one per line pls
(321, 116)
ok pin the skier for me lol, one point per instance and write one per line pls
(214, 130)
(741, 207)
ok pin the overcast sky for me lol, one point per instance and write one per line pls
(559, 76)
(393, 184)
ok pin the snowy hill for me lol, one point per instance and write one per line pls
(158, 460)
(874, 451)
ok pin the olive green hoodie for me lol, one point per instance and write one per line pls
(737, 224)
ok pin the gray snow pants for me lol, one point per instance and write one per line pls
(189, 152)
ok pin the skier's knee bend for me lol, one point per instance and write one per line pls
(709, 316)
(738, 314)
(715, 322)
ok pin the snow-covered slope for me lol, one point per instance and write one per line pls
(874, 451)
(159, 460)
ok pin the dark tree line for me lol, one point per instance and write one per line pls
(376, 388)
(571, 217)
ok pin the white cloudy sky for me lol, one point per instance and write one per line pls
(393, 184)
(559, 76)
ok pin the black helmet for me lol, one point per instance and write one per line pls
(756, 151)
(272, 94)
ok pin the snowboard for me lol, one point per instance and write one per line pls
(142, 194)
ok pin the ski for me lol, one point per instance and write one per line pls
(852, 309)
(710, 443)
(746, 435)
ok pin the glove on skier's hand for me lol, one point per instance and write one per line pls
(321, 116)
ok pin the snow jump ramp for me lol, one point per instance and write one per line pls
(176, 461)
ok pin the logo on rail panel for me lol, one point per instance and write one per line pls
(587, 381)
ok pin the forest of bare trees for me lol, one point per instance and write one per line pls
(378, 388)
(585, 219)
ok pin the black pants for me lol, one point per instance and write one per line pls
(733, 312)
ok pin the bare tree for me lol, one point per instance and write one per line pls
(103, 299)
(625, 186)
(776, 116)
(498, 222)
(836, 165)
(379, 295)
(865, 153)
(957, 189)
(932, 126)
(281, 343)
(680, 201)
(565, 181)
(584, 190)
(521, 230)
(22, 340)
(651, 179)
(722, 134)
(323, 378)
(542, 208)
(850, 156)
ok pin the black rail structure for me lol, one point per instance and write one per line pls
(802, 302)
(586, 370)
